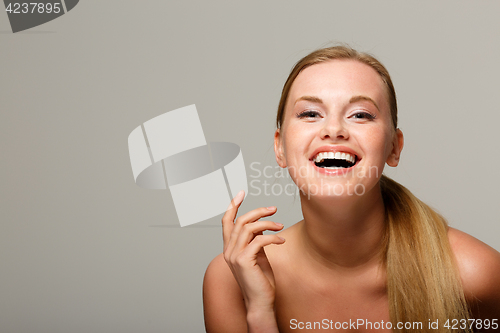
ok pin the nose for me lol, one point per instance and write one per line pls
(334, 129)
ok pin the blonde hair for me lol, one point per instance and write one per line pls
(423, 282)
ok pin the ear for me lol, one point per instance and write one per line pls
(397, 147)
(278, 149)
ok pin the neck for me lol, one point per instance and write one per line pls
(344, 232)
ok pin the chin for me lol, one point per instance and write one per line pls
(333, 190)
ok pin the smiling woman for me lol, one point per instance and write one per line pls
(367, 250)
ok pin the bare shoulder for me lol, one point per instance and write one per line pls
(479, 266)
(223, 304)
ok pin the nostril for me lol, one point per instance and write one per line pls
(334, 130)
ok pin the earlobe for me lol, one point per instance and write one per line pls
(278, 149)
(397, 147)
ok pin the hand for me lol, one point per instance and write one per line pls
(244, 253)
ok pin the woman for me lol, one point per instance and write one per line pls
(368, 255)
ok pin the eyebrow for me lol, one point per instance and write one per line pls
(358, 98)
(353, 99)
(312, 99)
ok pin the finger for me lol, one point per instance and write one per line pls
(259, 242)
(251, 230)
(249, 217)
(229, 216)
(265, 266)
(255, 214)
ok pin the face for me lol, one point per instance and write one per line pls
(337, 132)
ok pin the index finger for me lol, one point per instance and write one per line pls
(230, 215)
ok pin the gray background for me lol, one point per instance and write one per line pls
(83, 249)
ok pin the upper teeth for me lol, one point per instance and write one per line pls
(338, 156)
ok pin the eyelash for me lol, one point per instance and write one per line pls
(315, 114)
(308, 114)
(366, 115)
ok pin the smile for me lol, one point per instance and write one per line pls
(335, 160)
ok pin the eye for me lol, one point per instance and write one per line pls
(308, 114)
(363, 115)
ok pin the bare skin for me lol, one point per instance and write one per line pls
(328, 265)
(307, 292)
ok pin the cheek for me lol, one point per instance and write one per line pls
(378, 141)
(289, 147)
(296, 139)
(389, 136)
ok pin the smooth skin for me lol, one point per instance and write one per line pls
(329, 266)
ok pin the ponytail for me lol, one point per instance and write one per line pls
(422, 277)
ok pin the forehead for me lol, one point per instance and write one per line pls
(336, 81)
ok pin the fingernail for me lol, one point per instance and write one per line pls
(278, 224)
(237, 199)
(239, 196)
(281, 238)
(271, 207)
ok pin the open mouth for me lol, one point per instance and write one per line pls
(337, 160)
